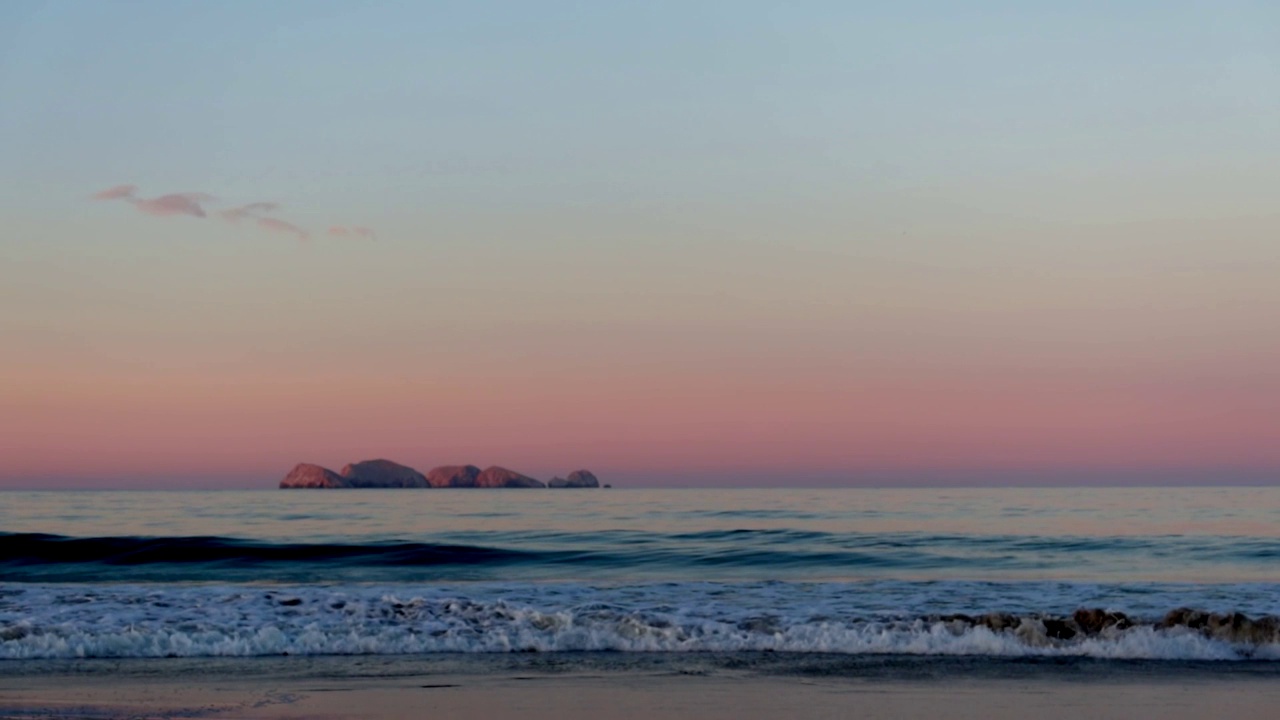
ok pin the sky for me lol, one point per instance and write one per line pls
(677, 243)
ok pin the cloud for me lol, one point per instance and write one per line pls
(255, 211)
(172, 204)
(278, 225)
(116, 193)
(356, 230)
(192, 204)
(236, 214)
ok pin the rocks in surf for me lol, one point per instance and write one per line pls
(1044, 630)
(1232, 627)
(1092, 621)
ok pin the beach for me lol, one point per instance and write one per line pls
(646, 689)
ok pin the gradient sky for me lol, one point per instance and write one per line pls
(677, 243)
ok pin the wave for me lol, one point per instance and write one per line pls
(718, 554)
(33, 548)
(41, 557)
(119, 621)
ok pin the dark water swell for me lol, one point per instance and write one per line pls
(731, 554)
(43, 550)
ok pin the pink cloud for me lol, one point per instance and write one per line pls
(356, 230)
(116, 193)
(255, 210)
(276, 225)
(235, 214)
(172, 204)
(192, 204)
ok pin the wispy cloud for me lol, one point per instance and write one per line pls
(256, 211)
(171, 204)
(236, 214)
(116, 193)
(192, 204)
(277, 225)
(355, 230)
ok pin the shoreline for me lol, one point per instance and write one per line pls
(546, 686)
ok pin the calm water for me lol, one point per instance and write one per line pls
(854, 571)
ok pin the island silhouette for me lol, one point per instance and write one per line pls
(387, 474)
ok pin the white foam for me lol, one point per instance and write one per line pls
(123, 621)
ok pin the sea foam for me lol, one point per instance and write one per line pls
(127, 621)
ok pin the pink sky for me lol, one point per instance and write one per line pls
(181, 362)
(839, 245)
(648, 424)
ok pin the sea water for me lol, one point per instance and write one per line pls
(994, 573)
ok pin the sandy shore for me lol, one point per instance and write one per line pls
(261, 692)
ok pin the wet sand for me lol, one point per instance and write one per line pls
(255, 691)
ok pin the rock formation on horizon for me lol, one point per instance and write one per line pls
(383, 474)
(582, 479)
(453, 476)
(388, 474)
(306, 475)
(500, 477)
(576, 479)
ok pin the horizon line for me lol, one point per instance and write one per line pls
(928, 485)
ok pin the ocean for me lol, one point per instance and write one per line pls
(989, 575)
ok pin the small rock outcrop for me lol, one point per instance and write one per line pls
(499, 477)
(383, 474)
(1185, 617)
(1092, 621)
(1232, 627)
(576, 479)
(998, 621)
(1047, 630)
(306, 475)
(453, 476)
(582, 479)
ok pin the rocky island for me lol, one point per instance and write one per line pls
(387, 474)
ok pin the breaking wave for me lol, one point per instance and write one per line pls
(131, 621)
